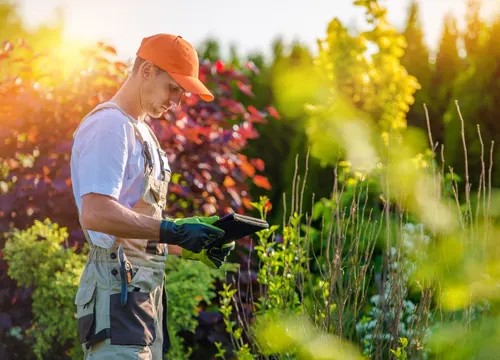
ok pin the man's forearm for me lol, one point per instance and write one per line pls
(103, 214)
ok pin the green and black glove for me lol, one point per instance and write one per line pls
(193, 233)
(213, 257)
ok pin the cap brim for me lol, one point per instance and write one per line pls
(193, 85)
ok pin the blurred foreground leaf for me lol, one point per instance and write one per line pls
(297, 336)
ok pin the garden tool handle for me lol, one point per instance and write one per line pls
(123, 275)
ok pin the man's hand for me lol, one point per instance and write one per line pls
(193, 234)
(213, 257)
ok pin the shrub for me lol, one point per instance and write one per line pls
(38, 260)
(190, 287)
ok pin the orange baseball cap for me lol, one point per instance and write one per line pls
(178, 58)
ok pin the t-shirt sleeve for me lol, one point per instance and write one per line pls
(102, 157)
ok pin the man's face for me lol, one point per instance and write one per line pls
(158, 91)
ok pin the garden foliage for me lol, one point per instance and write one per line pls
(396, 257)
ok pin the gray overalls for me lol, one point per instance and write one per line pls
(121, 301)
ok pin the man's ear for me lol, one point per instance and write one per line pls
(147, 69)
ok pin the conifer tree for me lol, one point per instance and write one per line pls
(446, 68)
(478, 92)
(416, 62)
(475, 28)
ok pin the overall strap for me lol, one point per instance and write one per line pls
(163, 168)
(153, 136)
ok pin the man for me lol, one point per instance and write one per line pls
(120, 177)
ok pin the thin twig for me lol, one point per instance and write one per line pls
(284, 210)
(455, 193)
(482, 180)
(467, 182)
(304, 183)
(429, 133)
(433, 148)
(490, 170)
(292, 210)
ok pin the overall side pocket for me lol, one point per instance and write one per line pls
(85, 311)
(134, 323)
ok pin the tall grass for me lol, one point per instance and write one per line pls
(399, 253)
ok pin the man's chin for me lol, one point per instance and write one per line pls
(155, 115)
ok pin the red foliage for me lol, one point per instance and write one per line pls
(273, 112)
(262, 182)
(204, 141)
(40, 107)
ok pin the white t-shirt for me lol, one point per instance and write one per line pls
(107, 159)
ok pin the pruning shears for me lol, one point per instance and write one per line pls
(125, 274)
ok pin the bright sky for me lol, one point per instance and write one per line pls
(252, 25)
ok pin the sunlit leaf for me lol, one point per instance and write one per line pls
(219, 66)
(258, 163)
(110, 49)
(273, 112)
(245, 88)
(7, 46)
(246, 167)
(261, 181)
(229, 182)
(250, 65)
(120, 66)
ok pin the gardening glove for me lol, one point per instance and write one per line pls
(193, 233)
(213, 257)
(203, 219)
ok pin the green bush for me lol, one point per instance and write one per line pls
(37, 258)
(188, 283)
